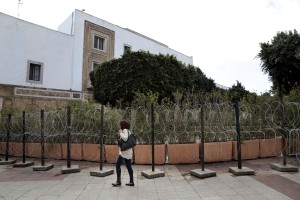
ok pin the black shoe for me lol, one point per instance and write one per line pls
(116, 184)
(129, 184)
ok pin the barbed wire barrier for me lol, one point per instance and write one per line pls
(174, 124)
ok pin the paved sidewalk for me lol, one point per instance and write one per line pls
(26, 184)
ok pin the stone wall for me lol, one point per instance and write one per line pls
(26, 98)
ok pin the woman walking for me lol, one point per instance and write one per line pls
(124, 155)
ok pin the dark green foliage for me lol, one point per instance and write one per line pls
(196, 80)
(120, 79)
(281, 60)
(237, 92)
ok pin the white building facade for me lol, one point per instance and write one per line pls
(39, 65)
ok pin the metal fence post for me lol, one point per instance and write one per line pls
(23, 134)
(202, 136)
(68, 136)
(101, 137)
(238, 130)
(152, 132)
(283, 132)
(8, 136)
(42, 139)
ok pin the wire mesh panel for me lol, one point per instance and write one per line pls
(294, 142)
(173, 123)
(219, 122)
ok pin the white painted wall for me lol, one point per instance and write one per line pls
(21, 41)
(138, 42)
(66, 26)
(60, 52)
(122, 36)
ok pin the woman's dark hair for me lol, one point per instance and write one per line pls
(124, 124)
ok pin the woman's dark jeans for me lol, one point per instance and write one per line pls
(129, 168)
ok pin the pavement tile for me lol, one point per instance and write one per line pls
(245, 190)
(26, 198)
(127, 197)
(24, 183)
(207, 193)
(254, 196)
(212, 198)
(148, 196)
(187, 194)
(225, 191)
(281, 184)
(233, 197)
(84, 197)
(147, 190)
(277, 196)
(168, 195)
(107, 194)
(67, 197)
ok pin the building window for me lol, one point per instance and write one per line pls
(99, 43)
(34, 72)
(94, 65)
(127, 48)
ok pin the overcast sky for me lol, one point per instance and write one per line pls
(223, 36)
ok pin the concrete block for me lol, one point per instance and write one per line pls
(153, 174)
(72, 169)
(42, 168)
(8, 162)
(203, 174)
(284, 168)
(102, 173)
(241, 172)
(25, 164)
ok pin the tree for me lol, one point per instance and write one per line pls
(237, 92)
(281, 60)
(143, 72)
(197, 80)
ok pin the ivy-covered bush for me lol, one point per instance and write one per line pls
(120, 79)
